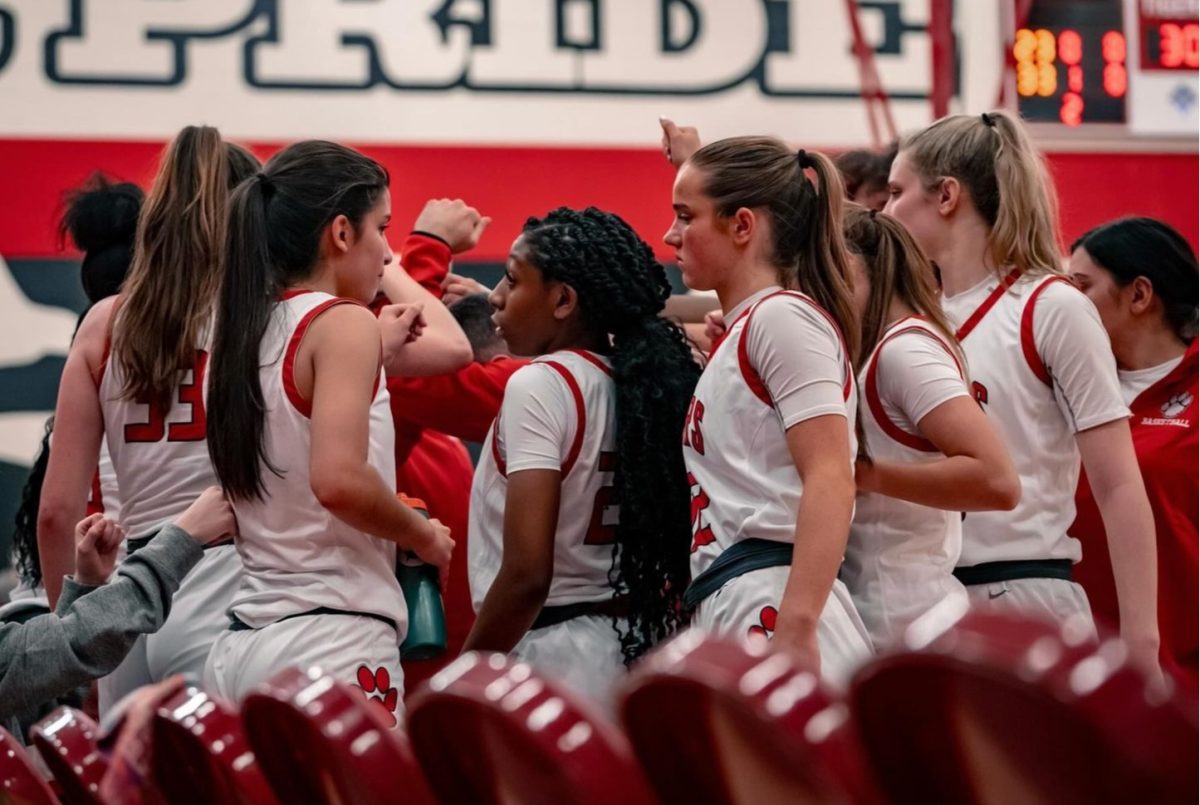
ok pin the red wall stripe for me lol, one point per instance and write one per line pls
(511, 184)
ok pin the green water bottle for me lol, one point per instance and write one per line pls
(426, 638)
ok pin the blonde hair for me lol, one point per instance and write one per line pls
(807, 245)
(993, 158)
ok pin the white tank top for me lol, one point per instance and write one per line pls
(159, 458)
(901, 556)
(559, 413)
(1042, 367)
(296, 555)
(744, 482)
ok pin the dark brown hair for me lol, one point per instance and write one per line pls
(276, 221)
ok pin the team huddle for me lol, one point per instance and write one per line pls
(884, 425)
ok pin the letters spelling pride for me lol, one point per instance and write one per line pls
(693, 47)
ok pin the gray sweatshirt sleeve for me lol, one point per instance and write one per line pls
(93, 628)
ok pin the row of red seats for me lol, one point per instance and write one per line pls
(992, 710)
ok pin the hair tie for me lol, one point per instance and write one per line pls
(267, 183)
(805, 160)
(988, 120)
(874, 213)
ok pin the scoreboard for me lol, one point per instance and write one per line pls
(1071, 62)
(1125, 62)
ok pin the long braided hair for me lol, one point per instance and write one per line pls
(621, 290)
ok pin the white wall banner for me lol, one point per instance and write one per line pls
(468, 71)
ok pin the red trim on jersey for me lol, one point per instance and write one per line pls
(289, 359)
(593, 359)
(1028, 345)
(95, 504)
(580, 414)
(875, 403)
(292, 293)
(973, 320)
(719, 340)
(750, 374)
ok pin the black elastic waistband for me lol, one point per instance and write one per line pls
(739, 559)
(992, 572)
(609, 607)
(237, 625)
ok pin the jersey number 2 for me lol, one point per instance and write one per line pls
(599, 532)
(190, 394)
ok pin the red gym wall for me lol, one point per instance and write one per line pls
(512, 183)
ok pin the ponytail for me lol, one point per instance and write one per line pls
(276, 221)
(1025, 233)
(807, 245)
(621, 290)
(1003, 174)
(897, 269)
(824, 266)
(176, 262)
(236, 408)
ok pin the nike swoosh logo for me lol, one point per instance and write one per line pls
(994, 596)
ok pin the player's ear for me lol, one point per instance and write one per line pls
(1141, 295)
(948, 195)
(339, 235)
(566, 301)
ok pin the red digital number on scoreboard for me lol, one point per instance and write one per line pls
(1168, 34)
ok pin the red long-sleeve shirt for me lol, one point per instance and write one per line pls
(431, 414)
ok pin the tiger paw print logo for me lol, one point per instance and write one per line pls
(766, 623)
(1176, 405)
(377, 687)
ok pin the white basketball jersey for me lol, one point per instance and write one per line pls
(1023, 396)
(744, 482)
(296, 555)
(159, 456)
(105, 494)
(901, 556)
(559, 412)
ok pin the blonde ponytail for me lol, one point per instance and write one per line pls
(1025, 233)
(995, 161)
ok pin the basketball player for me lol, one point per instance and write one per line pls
(301, 434)
(135, 377)
(929, 453)
(579, 509)
(973, 192)
(769, 440)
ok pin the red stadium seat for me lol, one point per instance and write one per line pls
(999, 709)
(489, 729)
(20, 781)
(715, 721)
(318, 740)
(66, 740)
(201, 753)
